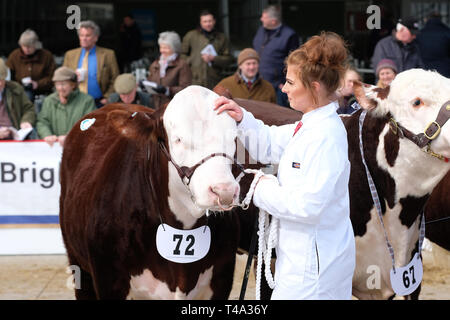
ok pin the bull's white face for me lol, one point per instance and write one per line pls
(195, 131)
(414, 99)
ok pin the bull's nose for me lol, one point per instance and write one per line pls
(226, 192)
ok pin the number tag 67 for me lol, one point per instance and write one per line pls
(406, 279)
(183, 246)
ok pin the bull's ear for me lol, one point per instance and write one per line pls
(130, 124)
(362, 93)
(222, 91)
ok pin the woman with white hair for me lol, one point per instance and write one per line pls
(170, 72)
(31, 65)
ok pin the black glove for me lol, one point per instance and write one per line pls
(160, 89)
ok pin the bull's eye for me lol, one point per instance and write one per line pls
(417, 102)
(177, 140)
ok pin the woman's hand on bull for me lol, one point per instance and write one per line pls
(232, 108)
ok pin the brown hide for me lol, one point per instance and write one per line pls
(438, 207)
(111, 198)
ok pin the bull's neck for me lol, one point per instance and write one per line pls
(180, 202)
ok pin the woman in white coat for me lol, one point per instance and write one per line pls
(309, 196)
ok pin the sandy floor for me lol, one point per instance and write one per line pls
(45, 277)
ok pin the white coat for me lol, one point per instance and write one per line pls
(316, 245)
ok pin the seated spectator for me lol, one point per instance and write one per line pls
(126, 92)
(347, 101)
(247, 83)
(63, 108)
(96, 66)
(386, 72)
(170, 72)
(31, 65)
(16, 110)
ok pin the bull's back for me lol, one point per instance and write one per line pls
(87, 158)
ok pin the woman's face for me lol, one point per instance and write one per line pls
(299, 97)
(64, 88)
(165, 50)
(386, 76)
(28, 50)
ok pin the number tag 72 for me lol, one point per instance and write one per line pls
(183, 246)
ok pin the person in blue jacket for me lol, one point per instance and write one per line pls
(273, 42)
(434, 44)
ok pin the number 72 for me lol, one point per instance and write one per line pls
(179, 238)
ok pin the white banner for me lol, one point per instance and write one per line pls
(29, 197)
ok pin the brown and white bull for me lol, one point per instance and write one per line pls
(125, 170)
(404, 174)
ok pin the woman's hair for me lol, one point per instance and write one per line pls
(29, 38)
(322, 58)
(172, 39)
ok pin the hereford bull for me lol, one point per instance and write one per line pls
(128, 175)
(416, 102)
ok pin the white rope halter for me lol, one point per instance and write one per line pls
(267, 235)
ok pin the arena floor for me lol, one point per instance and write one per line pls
(44, 277)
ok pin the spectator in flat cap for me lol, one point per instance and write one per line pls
(31, 65)
(16, 110)
(171, 73)
(126, 92)
(400, 47)
(247, 83)
(63, 108)
(96, 66)
(386, 72)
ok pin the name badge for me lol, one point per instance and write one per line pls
(183, 246)
(406, 279)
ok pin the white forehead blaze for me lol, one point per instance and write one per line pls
(194, 129)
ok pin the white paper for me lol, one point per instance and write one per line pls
(209, 49)
(21, 134)
(183, 246)
(149, 86)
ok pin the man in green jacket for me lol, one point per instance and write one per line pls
(63, 108)
(206, 64)
(16, 110)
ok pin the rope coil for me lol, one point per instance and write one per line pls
(267, 236)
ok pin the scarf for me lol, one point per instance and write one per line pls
(164, 62)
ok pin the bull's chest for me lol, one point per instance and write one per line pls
(147, 286)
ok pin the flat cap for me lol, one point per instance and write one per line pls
(125, 83)
(63, 74)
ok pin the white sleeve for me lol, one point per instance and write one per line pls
(304, 200)
(264, 143)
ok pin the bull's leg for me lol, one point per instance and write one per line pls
(222, 280)
(110, 283)
(84, 288)
(415, 294)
